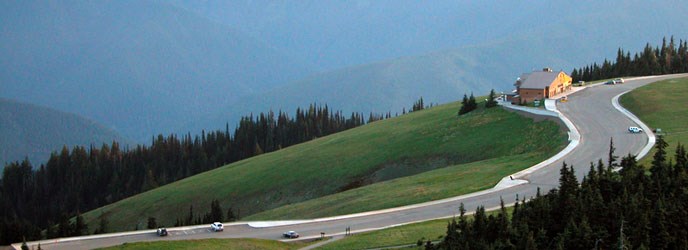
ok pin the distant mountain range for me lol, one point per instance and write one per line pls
(149, 67)
(140, 67)
(590, 31)
(33, 131)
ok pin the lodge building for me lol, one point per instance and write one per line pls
(539, 85)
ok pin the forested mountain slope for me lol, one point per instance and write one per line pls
(33, 131)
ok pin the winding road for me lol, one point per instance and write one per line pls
(590, 109)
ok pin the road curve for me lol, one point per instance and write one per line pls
(591, 111)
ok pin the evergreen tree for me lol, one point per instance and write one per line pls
(609, 210)
(660, 236)
(464, 105)
(230, 215)
(190, 216)
(612, 158)
(418, 105)
(80, 227)
(451, 240)
(24, 246)
(63, 228)
(216, 211)
(152, 223)
(102, 225)
(529, 243)
(681, 157)
(491, 102)
(660, 169)
(472, 103)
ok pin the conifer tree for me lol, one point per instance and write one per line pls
(216, 211)
(612, 158)
(451, 240)
(659, 169)
(230, 214)
(491, 102)
(24, 246)
(152, 223)
(190, 216)
(80, 227)
(102, 225)
(681, 157)
(660, 236)
(464, 105)
(472, 103)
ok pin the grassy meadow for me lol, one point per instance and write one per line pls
(420, 156)
(662, 105)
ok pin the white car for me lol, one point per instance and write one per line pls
(635, 130)
(290, 235)
(217, 226)
(619, 81)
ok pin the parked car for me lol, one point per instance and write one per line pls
(290, 234)
(162, 231)
(635, 130)
(217, 226)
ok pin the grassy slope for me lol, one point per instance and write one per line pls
(428, 186)
(413, 143)
(662, 105)
(238, 244)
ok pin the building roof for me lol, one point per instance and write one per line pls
(538, 79)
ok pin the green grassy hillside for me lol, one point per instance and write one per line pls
(662, 105)
(421, 142)
(33, 131)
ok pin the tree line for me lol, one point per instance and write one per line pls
(81, 179)
(670, 58)
(626, 209)
(469, 104)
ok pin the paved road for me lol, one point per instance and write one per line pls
(590, 110)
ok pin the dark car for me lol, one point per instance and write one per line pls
(290, 235)
(162, 231)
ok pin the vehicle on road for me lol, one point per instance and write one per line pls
(162, 231)
(216, 226)
(290, 234)
(619, 81)
(635, 130)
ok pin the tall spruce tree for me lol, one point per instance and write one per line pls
(491, 102)
(152, 223)
(464, 105)
(216, 211)
(472, 103)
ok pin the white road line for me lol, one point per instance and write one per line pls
(651, 139)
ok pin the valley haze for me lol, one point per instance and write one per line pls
(142, 68)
